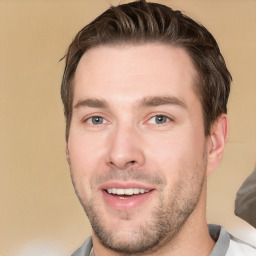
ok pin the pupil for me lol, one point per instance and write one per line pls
(160, 119)
(97, 120)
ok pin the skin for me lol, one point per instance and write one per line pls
(137, 122)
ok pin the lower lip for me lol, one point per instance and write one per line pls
(128, 203)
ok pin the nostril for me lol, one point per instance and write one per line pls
(123, 165)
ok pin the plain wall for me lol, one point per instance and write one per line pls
(40, 214)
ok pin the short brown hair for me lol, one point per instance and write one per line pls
(141, 22)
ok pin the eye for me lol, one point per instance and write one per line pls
(159, 119)
(96, 120)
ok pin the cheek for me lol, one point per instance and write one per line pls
(164, 147)
(175, 151)
(84, 151)
(85, 158)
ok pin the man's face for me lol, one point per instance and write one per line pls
(137, 148)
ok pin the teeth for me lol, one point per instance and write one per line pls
(127, 191)
(120, 191)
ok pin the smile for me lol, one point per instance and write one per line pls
(126, 191)
(126, 197)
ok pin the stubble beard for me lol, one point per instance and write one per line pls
(165, 222)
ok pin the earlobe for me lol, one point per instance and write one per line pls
(218, 140)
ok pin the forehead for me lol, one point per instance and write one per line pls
(131, 70)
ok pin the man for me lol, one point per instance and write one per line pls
(145, 90)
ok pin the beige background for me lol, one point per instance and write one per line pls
(39, 212)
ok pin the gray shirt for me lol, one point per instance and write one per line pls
(226, 244)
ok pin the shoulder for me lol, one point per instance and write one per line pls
(228, 245)
(85, 249)
(240, 248)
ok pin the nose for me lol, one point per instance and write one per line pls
(125, 148)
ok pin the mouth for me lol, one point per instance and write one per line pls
(126, 198)
(127, 192)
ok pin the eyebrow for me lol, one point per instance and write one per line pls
(158, 101)
(92, 103)
(144, 102)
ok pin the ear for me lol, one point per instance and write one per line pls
(67, 154)
(216, 142)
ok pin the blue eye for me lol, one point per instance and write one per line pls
(159, 119)
(96, 120)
